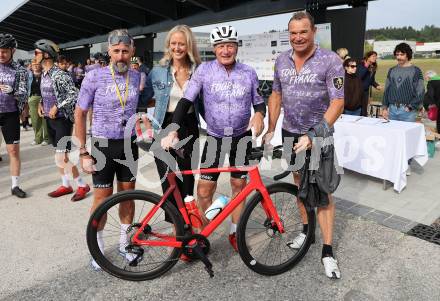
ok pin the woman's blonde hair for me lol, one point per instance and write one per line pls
(193, 52)
(343, 53)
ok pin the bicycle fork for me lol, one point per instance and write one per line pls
(271, 211)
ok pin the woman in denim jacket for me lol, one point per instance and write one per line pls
(169, 81)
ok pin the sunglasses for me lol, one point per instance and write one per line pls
(115, 40)
(352, 66)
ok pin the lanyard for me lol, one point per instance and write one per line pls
(122, 102)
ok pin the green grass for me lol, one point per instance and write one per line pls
(384, 65)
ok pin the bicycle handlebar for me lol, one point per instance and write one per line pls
(256, 154)
(277, 152)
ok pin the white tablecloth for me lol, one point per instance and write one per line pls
(371, 147)
(378, 149)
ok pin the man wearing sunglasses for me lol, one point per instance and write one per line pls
(112, 92)
(58, 99)
(13, 97)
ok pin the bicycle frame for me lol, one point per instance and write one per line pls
(255, 184)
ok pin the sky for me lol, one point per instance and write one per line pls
(381, 13)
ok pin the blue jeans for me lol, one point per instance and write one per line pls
(356, 112)
(399, 113)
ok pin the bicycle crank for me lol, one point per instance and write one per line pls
(198, 250)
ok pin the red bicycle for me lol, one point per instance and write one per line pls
(155, 243)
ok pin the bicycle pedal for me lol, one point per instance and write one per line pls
(210, 272)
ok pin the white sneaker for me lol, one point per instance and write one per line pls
(44, 143)
(34, 143)
(297, 242)
(331, 267)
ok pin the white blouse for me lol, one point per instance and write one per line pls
(176, 93)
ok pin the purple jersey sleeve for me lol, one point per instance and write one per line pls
(87, 92)
(335, 79)
(256, 97)
(143, 80)
(195, 84)
(276, 85)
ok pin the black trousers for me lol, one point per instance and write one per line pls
(365, 98)
(188, 128)
(438, 124)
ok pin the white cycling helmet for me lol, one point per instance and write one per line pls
(222, 34)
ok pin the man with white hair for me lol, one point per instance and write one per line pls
(112, 92)
(230, 90)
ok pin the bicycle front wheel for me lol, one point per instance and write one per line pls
(110, 242)
(264, 249)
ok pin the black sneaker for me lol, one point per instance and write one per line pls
(18, 192)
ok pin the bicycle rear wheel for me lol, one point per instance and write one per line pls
(120, 256)
(264, 249)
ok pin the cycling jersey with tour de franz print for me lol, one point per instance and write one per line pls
(227, 98)
(306, 95)
(62, 90)
(98, 91)
(15, 77)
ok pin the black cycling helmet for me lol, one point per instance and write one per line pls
(48, 46)
(106, 58)
(7, 41)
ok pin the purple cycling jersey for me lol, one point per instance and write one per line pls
(48, 94)
(98, 91)
(227, 97)
(89, 68)
(7, 78)
(306, 95)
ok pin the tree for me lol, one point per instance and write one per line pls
(368, 47)
(429, 33)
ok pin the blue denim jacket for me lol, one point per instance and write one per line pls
(162, 82)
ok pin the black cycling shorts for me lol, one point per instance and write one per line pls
(237, 150)
(106, 165)
(59, 131)
(10, 124)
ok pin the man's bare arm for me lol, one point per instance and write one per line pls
(335, 110)
(80, 126)
(274, 106)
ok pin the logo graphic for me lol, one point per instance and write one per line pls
(338, 82)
